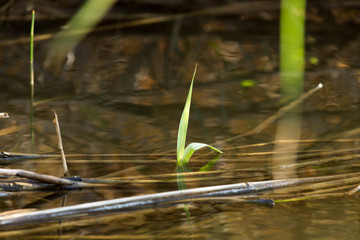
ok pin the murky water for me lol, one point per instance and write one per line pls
(119, 104)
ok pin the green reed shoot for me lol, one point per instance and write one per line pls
(292, 53)
(184, 154)
(32, 80)
(292, 48)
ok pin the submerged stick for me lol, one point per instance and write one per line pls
(60, 145)
(283, 110)
(150, 200)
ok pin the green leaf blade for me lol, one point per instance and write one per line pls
(184, 121)
(192, 147)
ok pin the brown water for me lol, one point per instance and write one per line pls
(124, 95)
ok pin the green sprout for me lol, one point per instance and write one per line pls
(184, 154)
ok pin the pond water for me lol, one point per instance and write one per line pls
(119, 96)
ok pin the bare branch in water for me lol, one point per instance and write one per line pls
(40, 177)
(150, 200)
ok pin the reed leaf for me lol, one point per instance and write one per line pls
(184, 154)
(192, 147)
(184, 121)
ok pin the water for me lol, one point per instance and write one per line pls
(119, 105)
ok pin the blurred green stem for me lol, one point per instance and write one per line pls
(292, 53)
(77, 28)
(292, 35)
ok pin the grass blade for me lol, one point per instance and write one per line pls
(192, 147)
(184, 154)
(184, 121)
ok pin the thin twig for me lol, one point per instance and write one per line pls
(234, 8)
(277, 114)
(40, 177)
(60, 145)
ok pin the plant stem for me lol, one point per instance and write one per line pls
(32, 81)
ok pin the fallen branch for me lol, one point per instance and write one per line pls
(150, 200)
(40, 177)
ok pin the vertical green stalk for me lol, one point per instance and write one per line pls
(292, 60)
(292, 53)
(184, 154)
(32, 81)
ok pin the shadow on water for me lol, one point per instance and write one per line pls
(119, 97)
